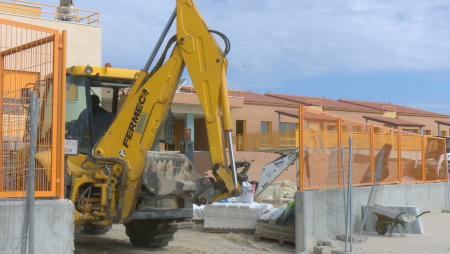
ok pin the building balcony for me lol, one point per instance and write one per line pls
(50, 12)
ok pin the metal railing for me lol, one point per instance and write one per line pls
(51, 12)
(323, 146)
(265, 141)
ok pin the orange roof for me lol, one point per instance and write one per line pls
(393, 121)
(251, 98)
(392, 108)
(443, 122)
(308, 115)
(323, 102)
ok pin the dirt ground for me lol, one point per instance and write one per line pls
(436, 240)
(187, 241)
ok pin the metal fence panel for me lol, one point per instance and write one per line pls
(407, 157)
(31, 59)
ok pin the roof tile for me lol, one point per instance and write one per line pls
(393, 108)
(323, 102)
(393, 121)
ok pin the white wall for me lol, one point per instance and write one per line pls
(84, 43)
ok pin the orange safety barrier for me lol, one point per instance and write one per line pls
(324, 154)
(265, 141)
(31, 58)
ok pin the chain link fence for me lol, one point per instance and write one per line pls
(17, 215)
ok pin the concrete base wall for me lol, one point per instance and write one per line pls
(54, 229)
(320, 215)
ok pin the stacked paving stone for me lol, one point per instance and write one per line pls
(234, 215)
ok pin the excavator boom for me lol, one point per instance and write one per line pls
(118, 164)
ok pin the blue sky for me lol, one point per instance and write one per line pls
(379, 50)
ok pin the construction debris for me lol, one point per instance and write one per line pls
(277, 224)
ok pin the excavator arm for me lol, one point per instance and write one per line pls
(135, 128)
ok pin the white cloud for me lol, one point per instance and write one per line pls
(276, 40)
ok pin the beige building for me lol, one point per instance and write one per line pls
(84, 34)
(263, 115)
(380, 114)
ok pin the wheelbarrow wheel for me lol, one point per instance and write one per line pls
(381, 228)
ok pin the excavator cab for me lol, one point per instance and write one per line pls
(163, 197)
(92, 103)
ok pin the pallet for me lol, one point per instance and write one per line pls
(229, 230)
(282, 234)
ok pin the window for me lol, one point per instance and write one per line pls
(287, 127)
(240, 127)
(357, 129)
(427, 132)
(266, 127)
(415, 131)
(444, 133)
(331, 127)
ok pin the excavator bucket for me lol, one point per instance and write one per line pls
(169, 173)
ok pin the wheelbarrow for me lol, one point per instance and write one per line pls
(388, 219)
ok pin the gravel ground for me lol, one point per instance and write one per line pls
(436, 240)
(187, 241)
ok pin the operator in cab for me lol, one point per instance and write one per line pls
(101, 118)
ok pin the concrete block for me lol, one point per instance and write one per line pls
(198, 213)
(54, 228)
(324, 243)
(233, 215)
(322, 250)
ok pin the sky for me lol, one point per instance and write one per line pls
(377, 50)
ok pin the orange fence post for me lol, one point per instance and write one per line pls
(1, 121)
(339, 151)
(399, 155)
(445, 154)
(55, 108)
(61, 115)
(301, 149)
(424, 175)
(372, 153)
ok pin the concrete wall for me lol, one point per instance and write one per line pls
(54, 229)
(320, 214)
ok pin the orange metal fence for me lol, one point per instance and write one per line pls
(31, 58)
(408, 157)
(265, 141)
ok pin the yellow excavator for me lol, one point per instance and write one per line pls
(113, 176)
